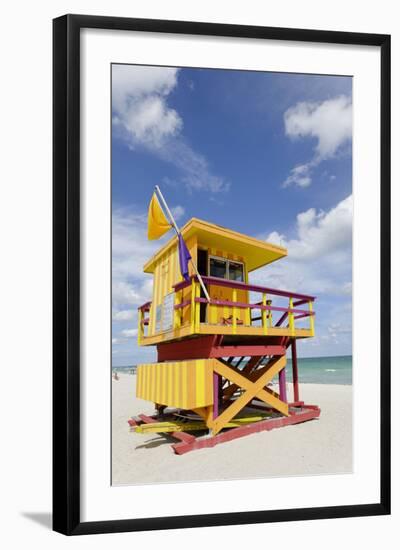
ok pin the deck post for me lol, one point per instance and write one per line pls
(177, 312)
(192, 307)
(295, 372)
(282, 385)
(234, 311)
(264, 315)
(215, 395)
(291, 317)
(197, 308)
(140, 326)
(310, 308)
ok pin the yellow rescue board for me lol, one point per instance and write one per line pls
(165, 427)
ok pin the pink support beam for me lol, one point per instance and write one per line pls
(216, 384)
(281, 319)
(282, 385)
(295, 371)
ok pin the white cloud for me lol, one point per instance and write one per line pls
(177, 212)
(139, 103)
(143, 117)
(124, 293)
(276, 238)
(319, 263)
(299, 175)
(196, 172)
(129, 333)
(130, 247)
(124, 315)
(130, 251)
(132, 81)
(319, 256)
(149, 121)
(322, 233)
(329, 122)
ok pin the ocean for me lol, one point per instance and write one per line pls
(312, 370)
(323, 370)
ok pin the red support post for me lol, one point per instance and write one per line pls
(295, 372)
(282, 385)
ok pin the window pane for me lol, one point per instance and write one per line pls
(217, 268)
(235, 272)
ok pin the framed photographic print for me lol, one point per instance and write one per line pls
(221, 274)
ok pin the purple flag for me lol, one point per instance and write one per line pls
(184, 257)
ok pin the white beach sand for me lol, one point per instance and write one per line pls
(321, 446)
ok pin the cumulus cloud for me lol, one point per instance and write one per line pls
(139, 103)
(124, 293)
(319, 254)
(323, 233)
(319, 263)
(143, 117)
(130, 247)
(130, 251)
(328, 122)
(299, 175)
(123, 315)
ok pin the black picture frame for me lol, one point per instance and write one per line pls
(66, 273)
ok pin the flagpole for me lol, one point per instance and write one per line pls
(171, 217)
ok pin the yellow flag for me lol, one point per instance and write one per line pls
(157, 223)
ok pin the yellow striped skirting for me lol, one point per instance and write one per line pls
(182, 384)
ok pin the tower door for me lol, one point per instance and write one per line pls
(202, 266)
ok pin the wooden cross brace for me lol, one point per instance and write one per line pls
(230, 390)
(253, 388)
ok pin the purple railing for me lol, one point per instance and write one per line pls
(245, 286)
(292, 312)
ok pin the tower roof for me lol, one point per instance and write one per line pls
(256, 253)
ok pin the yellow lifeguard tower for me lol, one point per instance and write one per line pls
(219, 350)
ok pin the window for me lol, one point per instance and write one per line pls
(235, 271)
(218, 268)
(226, 269)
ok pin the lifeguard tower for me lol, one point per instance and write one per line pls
(218, 358)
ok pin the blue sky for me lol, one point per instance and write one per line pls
(267, 154)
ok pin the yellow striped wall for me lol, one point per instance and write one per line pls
(186, 293)
(166, 274)
(182, 384)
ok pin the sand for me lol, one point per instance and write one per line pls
(321, 446)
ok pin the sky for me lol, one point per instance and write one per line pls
(266, 154)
